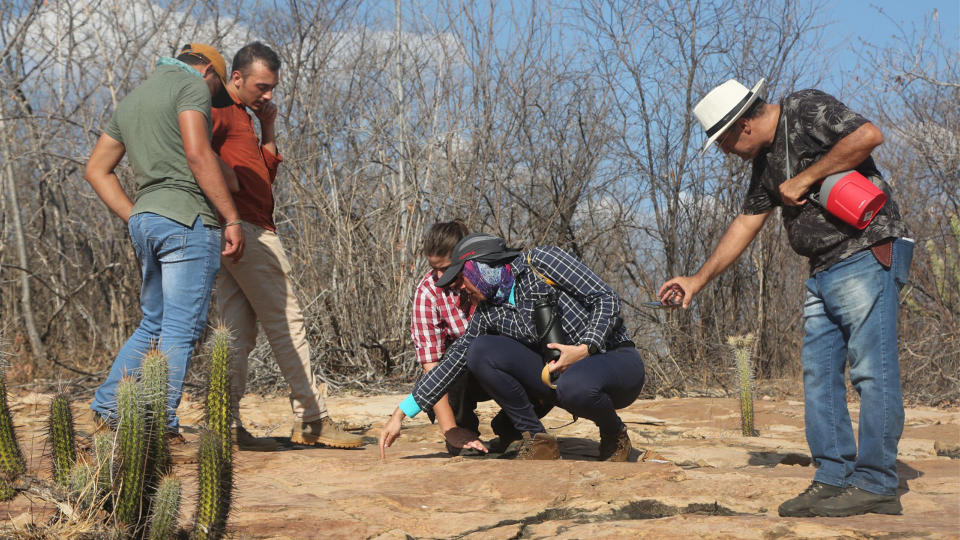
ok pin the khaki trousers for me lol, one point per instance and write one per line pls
(257, 288)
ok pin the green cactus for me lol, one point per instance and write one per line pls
(212, 505)
(12, 463)
(164, 509)
(131, 453)
(742, 349)
(103, 453)
(154, 375)
(218, 413)
(218, 393)
(82, 485)
(62, 439)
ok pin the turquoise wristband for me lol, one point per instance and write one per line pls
(409, 406)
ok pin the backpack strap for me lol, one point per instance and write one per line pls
(542, 277)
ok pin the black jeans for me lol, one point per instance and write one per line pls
(593, 388)
(463, 396)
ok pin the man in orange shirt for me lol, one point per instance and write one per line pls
(259, 287)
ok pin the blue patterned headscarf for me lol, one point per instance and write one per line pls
(493, 282)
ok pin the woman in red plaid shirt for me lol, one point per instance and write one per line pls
(439, 317)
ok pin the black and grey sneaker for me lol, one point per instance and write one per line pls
(853, 501)
(800, 505)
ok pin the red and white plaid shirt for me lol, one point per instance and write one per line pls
(437, 319)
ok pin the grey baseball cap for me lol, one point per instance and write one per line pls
(475, 247)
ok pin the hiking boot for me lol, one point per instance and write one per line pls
(615, 447)
(244, 440)
(800, 506)
(324, 431)
(538, 447)
(180, 450)
(853, 501)
(503, 444)
(506, 434)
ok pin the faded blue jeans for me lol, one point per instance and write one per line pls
(178, 265)
(850, 315)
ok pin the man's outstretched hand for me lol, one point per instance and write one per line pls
(678, 290)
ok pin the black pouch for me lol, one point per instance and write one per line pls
(547, 323)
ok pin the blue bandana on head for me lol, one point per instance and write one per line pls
(493, 282)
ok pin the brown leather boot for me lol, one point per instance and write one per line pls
(244, 440)
(325, 432)
(615, 447)
(538, 447)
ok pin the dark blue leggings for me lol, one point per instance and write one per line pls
(593, 388)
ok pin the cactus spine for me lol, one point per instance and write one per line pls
(131, 452)
(154, 377)
(218, 394)
(210, 496)
(12, 463)
(216, 453)
(82, 485)
(164, 509)
(742, 349)
(64, 451)
(103, 453)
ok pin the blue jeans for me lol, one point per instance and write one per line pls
(178, 265)
(593, 388)
(850, 314)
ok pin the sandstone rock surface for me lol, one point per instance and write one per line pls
(700, 477)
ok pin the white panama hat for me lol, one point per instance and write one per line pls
(722, 106)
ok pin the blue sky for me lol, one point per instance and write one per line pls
(855, 23)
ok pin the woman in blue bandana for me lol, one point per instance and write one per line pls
(598, 370)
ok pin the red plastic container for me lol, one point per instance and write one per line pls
(851, 197)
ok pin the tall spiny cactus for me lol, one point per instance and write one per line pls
(62, 443)
(209, 522)
(742, 352)
(154, 375)
(12, 463)
(218, 394)
(103, 454)
(131, 452)
(82, 484)
(218, 416)
(164, 509)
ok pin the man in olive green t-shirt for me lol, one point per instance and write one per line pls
(163, 127)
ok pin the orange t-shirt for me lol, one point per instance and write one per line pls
(235, 140)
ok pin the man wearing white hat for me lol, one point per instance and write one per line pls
(850, 312)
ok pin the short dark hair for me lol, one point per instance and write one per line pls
(253, 52)
(442, 237)
(755, 110)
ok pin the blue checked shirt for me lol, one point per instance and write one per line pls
(588, 306)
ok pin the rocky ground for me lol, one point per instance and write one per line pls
(695, 476)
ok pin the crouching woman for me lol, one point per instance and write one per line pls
(598, 370)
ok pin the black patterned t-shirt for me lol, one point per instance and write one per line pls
(815, 122)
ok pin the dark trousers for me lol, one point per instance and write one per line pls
(463, 396)
(593, 388)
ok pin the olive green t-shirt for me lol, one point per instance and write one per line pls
(146, 123)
